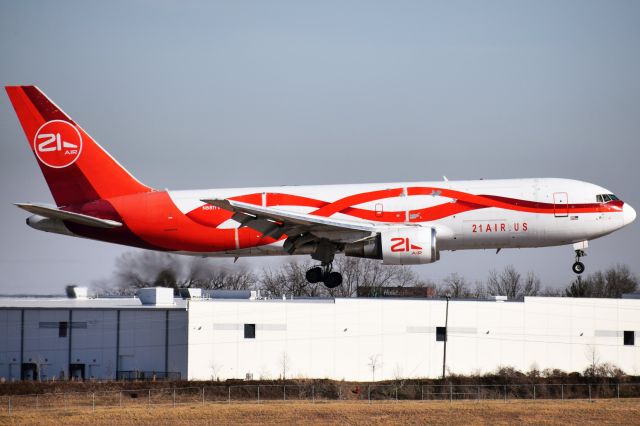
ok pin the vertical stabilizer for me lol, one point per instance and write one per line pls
(76, 168)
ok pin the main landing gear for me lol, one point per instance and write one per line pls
(324, 253)
(578, 267)
(324, 273)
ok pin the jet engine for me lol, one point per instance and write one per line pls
(399, 246)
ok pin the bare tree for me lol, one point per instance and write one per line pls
(612, 282)
(352, 276)
(374, 364)
(204, 273)
(531, 285)
(359, 272)
(507, 283)
(285, 365)
(578, 288)
(510, 283)
(596, 368)
(134, 270)
(479, 290)
(374, 275)
(619, 280)
(215, 370)
(456, 286)
(356, 272)
(289, 279)
(40, 363)
(593, 356)
(551, 292)
(398, 373)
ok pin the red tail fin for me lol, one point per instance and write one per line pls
(76, 168)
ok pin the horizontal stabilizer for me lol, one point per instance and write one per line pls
(55, 213)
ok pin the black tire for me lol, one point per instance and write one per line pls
(314, 275)
(578, 267)
(333, 279)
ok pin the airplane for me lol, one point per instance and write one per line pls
(404, 223)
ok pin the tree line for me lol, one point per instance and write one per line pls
(134, 270)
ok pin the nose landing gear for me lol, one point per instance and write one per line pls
(578, 267)
(324, 273)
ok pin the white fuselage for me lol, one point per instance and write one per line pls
(508, 213)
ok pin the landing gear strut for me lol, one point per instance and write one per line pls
(578, 267)
(325, 274)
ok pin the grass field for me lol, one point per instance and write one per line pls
(432, 412)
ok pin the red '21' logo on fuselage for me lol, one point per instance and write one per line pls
(399, 245)
(57, 143)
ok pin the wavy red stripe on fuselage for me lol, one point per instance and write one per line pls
(153, 220)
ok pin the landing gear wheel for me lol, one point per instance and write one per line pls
(578, 267)
(325, 274)
(315, 274)
(333, 279)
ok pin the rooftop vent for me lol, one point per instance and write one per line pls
(75, 292)
(155, 296)
(191, 293)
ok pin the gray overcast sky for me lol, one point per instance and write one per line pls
(190, 94)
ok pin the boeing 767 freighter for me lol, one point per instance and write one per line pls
(404, 223)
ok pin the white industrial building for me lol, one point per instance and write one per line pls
(344, 338)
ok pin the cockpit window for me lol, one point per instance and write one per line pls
(605, 198)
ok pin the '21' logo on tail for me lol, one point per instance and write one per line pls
(399, 245)
(57, 143)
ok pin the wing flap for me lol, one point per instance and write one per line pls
(55, 213)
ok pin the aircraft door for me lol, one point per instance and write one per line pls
(560, 204)
(379, 209)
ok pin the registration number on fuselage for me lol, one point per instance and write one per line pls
(499, 227)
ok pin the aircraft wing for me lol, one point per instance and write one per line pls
(55, 213)
(273, 222)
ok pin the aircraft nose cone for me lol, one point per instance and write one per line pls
(628, 214)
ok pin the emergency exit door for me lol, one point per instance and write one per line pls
(560, 204)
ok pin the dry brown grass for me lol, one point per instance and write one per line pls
(431, 412)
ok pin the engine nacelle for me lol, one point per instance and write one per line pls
(399, 246)
(409, 246)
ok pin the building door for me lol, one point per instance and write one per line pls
(29, 371)
(76, 371)
(560, 204)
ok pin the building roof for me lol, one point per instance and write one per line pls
(60, 302)
(133, 302)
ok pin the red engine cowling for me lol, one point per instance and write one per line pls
(400, 246)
